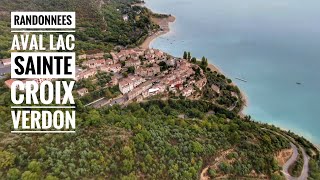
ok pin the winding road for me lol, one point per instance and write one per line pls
(285, 168)
(305, 171)
(293, 158)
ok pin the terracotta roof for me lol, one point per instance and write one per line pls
(9, 82)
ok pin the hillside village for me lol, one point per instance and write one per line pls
(138, 74)
(142, 73)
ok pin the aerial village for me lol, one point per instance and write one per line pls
(143, 73)
(139, 74)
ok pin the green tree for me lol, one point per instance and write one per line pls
(127, 152)
(13, 174)
(193, 60)
(189, 56)
(212, 173)
(28, 175)
(42, 152)
(131, 69)
(125, 74)
(204, 63)
(34, 166)
(197, 147)
(6, 159)
(276, 177)
(185, 55)
(103, 78)
(107, 55)
(225, 168)
(108, 93)
(129, 177)
(50, 177)
(93, 117)
(127, 165)
(148, 159)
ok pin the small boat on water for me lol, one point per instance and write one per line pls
(240, 79)
(298, 83)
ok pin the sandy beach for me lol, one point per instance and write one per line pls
(164, 26)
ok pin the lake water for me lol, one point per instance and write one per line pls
(272, 44)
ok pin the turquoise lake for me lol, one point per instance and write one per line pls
(272, 44)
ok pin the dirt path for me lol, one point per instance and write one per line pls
(203, 175)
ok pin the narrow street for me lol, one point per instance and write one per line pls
(108, 102)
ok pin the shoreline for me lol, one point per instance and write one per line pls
(164, 24)
(243, 97)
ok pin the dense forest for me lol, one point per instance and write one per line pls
(148, 140)
(100, 23)
(174, 139)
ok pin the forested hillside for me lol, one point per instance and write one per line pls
(173, 139)
(100, 23)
